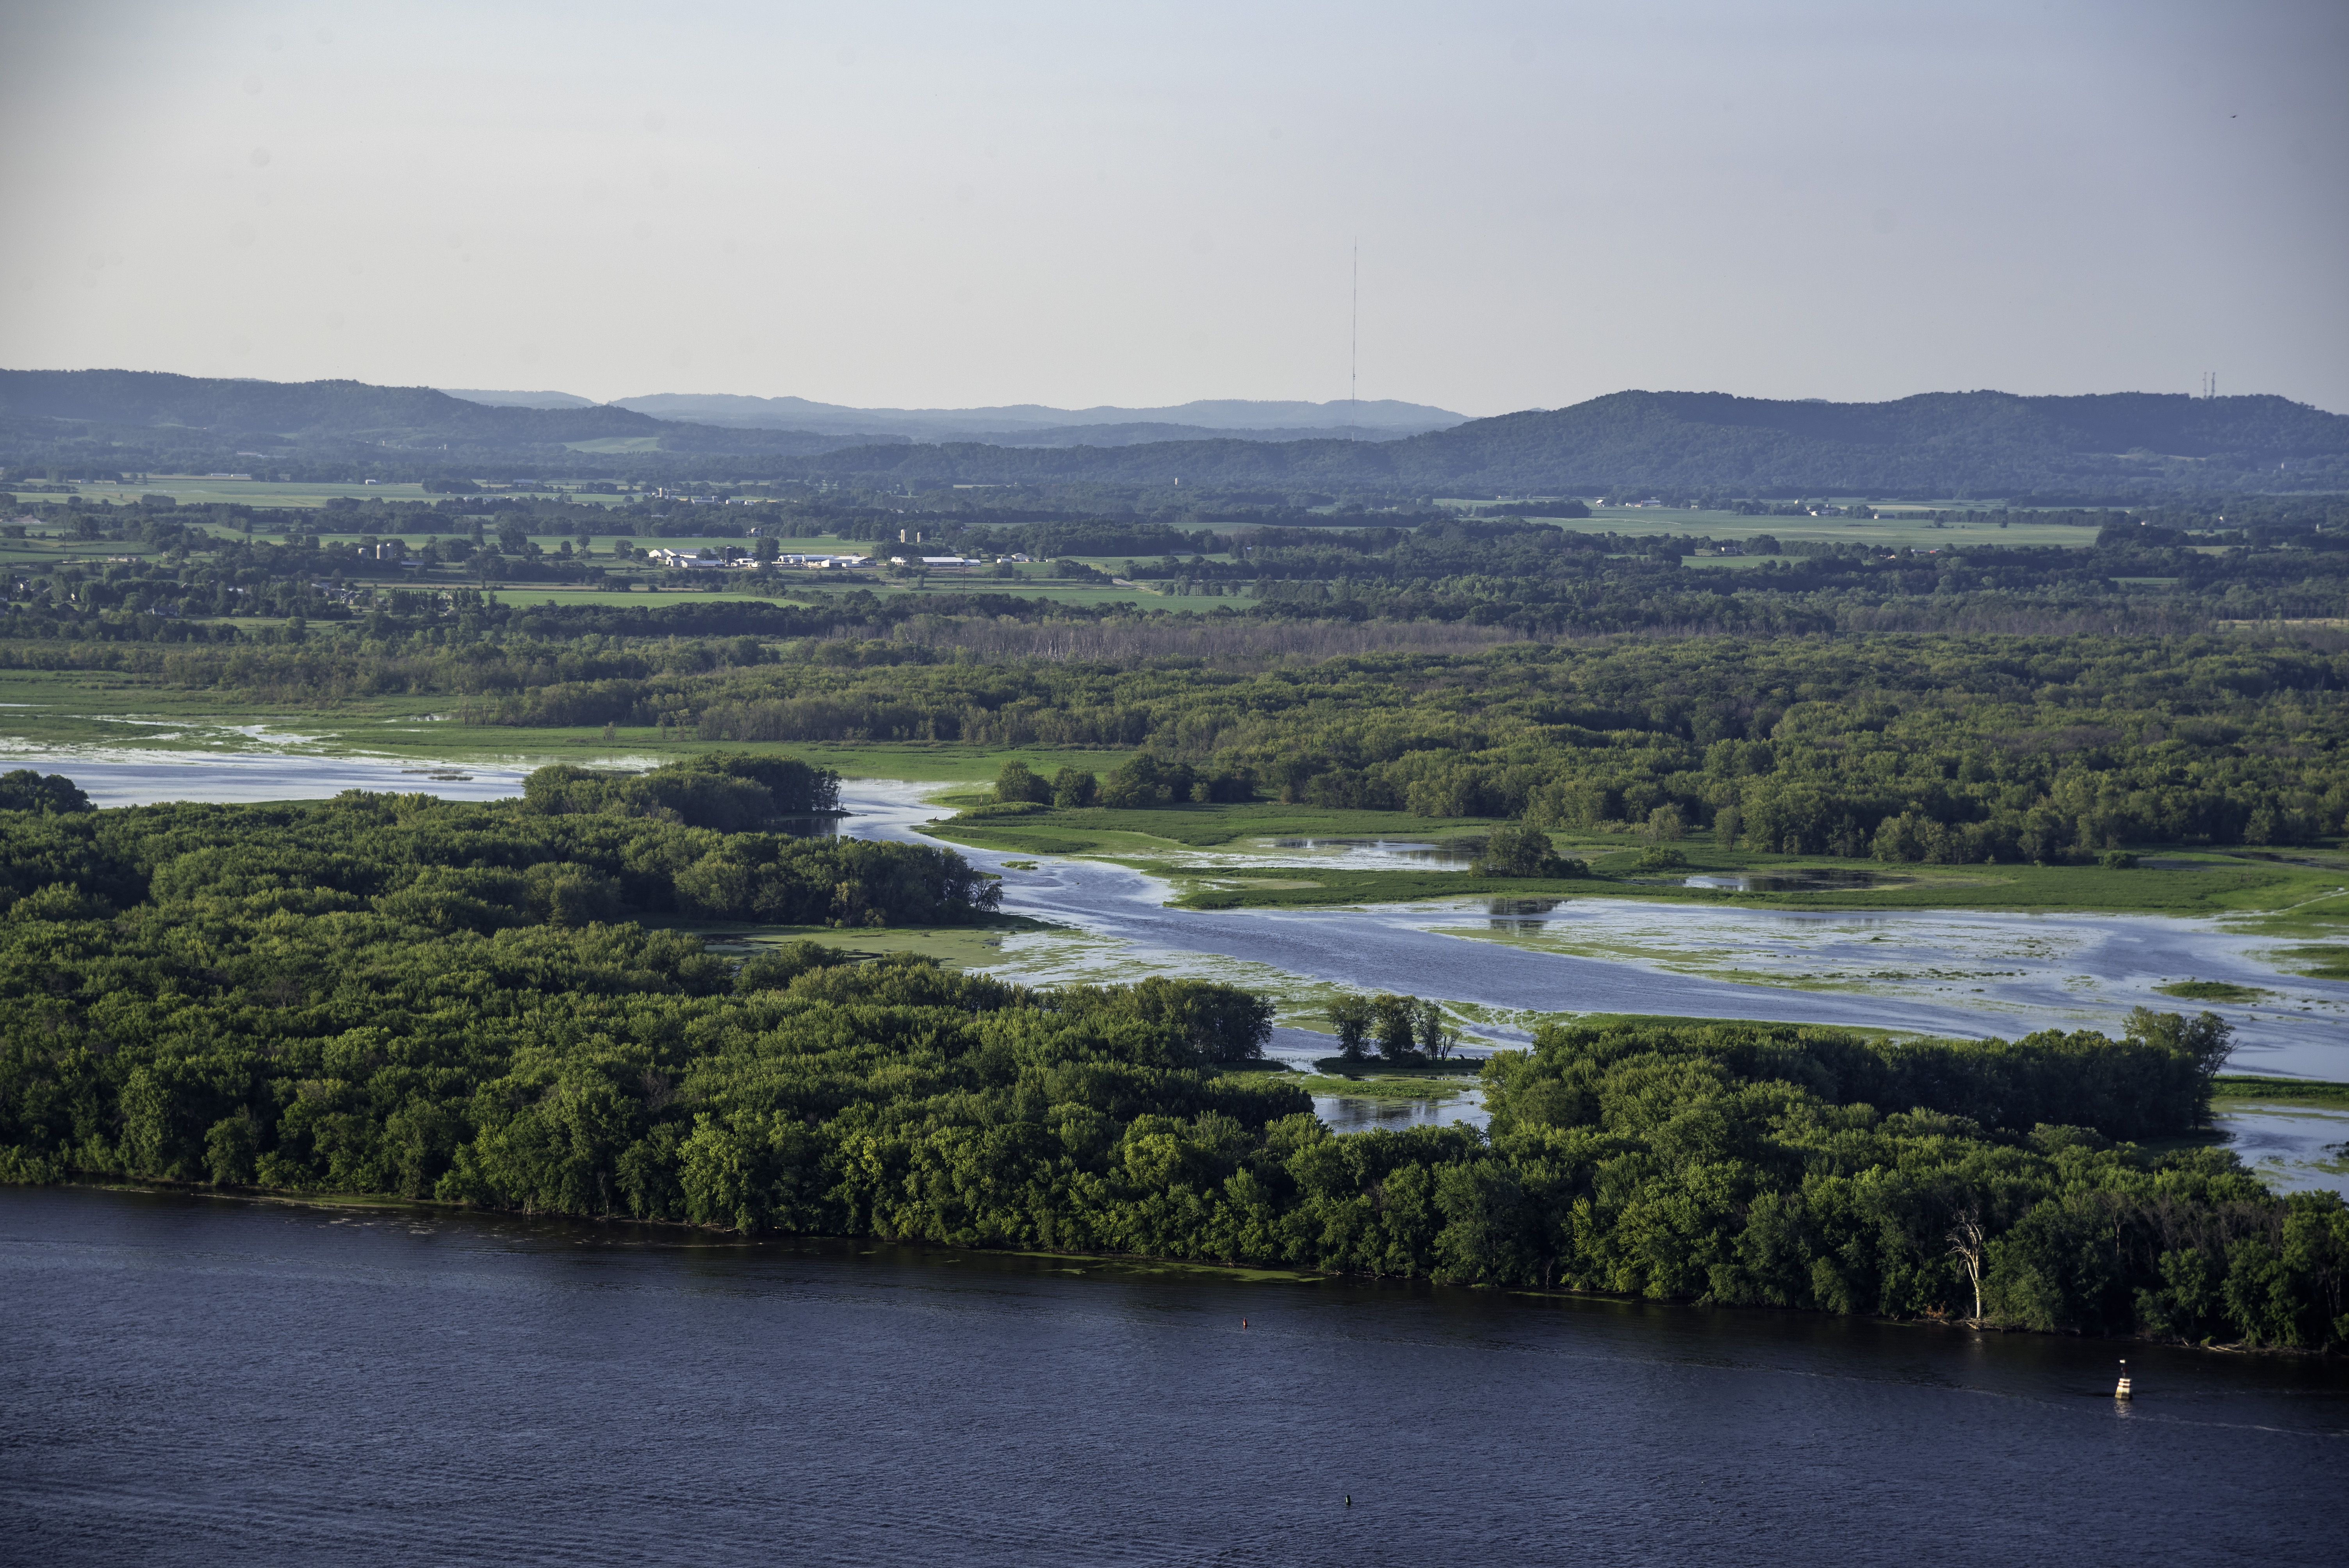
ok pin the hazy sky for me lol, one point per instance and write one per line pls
(941, 205)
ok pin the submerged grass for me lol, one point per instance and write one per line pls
(2211, 991)
(1361, 1089)
(2296, 896)
(2322, 963)
(2237, 1089)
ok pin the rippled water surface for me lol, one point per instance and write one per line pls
(196, 1381)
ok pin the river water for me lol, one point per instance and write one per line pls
(203, 1381)
(1937, 972)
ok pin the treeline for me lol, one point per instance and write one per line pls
(234, 1031)
(578, 848)
(1969, 747)
(1918, 747)
(1764, 1165)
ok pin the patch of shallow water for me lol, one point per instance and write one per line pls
(1340, 854)
(1346, 1113)
(270, 770)
(2294, 1149)
(129, 777)
(1508, 963)
(2021, 970)
(1787, 882)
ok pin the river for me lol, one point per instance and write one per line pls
(212, 1381)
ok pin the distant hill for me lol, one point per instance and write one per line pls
(1668, 444)
(151, 408)
(1136, 435)
(1268, 420)
(518, 399)
(1378, 421)
(294, 409)
(1935, 444)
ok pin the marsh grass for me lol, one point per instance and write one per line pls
(2211, 991)
(2237, 1089)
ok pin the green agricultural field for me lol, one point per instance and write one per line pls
(52, 551)
(199, 490)
(1059, 592)
(1904, 529)
(616, 444)
(523, 595)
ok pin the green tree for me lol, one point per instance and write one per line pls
(1014, 783)
(1515, 850)
(1396, 1026)
(1353, 1017)
(2206, 1040)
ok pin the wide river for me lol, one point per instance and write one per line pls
(206, 1381)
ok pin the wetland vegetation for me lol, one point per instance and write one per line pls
(1280, 697)
(389, 994)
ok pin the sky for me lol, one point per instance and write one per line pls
(918, 205)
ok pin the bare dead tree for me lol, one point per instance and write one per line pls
(1966, 1242)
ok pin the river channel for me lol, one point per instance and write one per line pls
(207, 1381)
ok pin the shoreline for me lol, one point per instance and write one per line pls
(392, 1203)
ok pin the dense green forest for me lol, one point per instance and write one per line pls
(697, 839)
(1929, 747)
(398, 995)
(1975, 703)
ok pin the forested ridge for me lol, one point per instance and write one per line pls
(1935, 444)
(390, 994)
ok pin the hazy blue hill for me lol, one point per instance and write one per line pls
(1983, 441)
(518, 399)
(1138, 434)
(1941, 444)
(297, 410)
(1267, 420)
(192, 415)
(1948, 443)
